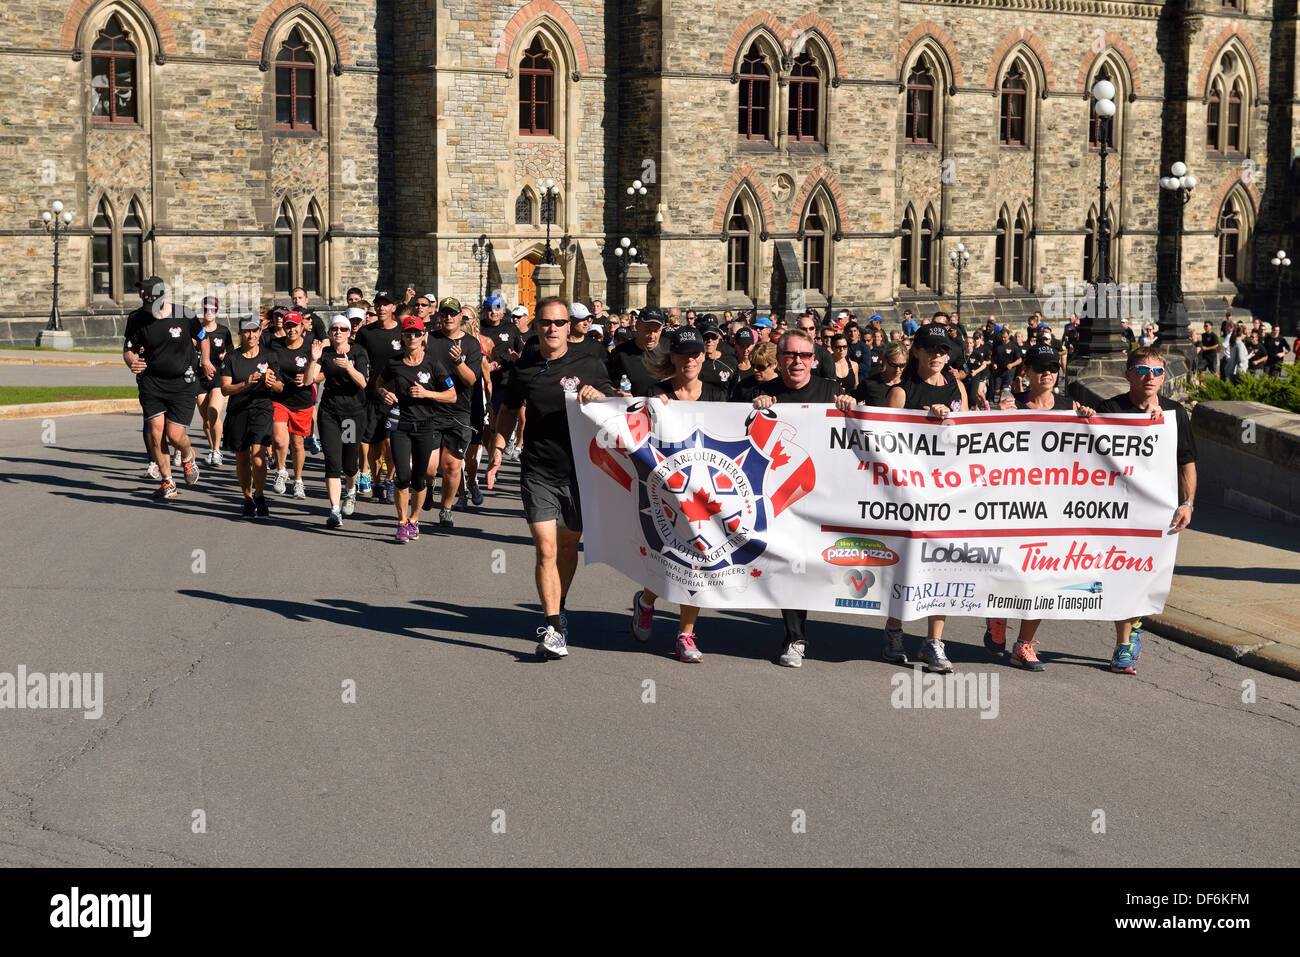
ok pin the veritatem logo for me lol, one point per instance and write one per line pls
(704, 501)
(859, 582)
(859, 551)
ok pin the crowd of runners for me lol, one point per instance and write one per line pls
(399, 395)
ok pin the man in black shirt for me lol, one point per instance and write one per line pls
(628, 359)
(823, 363)
(460, 352)
(579, 326)
(549, 485)
(159, 347)
(1007, 357)
(1208, 350)
(796, 383)
(1276, 346)
(1145, 374)
(382, 341)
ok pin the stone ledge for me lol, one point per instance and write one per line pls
(1252, 651)
(44, 410)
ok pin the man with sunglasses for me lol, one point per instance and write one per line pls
(628, 359)
(457, 350)
(1145, 373)
(823, 363)
(382, 341)
(716, 369)
(796, 383)
(543, 378)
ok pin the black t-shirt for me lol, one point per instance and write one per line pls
(294, 362)
(1071, 339)
(746, 388)
(220, 341)
(439, 346)
(919, 394)
(1186, 450)
(313, 328)
(166, 345)
(977, 357)
(587, 346)
(1005, 353)
(1060, 403)
(823, 362)
(721, 372)
(709, 391)
(505, 339)
(872, 391)
(543, 384)
(1209, 339)
(239, 369)
(381, 345)
(629, 359)
(342, 395)
(1275, 347)
(818, 390)
(431, 374)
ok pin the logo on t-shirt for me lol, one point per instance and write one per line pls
(175, 331)
(217, 342)
(423, 377)
(570, 383)
(300, 361)
(724, 374)
(261, 367)
(396, 345)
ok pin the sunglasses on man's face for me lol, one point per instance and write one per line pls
(805, 356)
(1154, 371)
(372, 314)
(412, 334)
(1043, 370)
(547, 323)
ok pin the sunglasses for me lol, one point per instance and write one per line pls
(1053, 368)
(805, 356)
(896, 365)
(1154, 371)
(841, 345)
(547, 323)
(411, 334)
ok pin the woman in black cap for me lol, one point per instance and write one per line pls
(1043, 369)
(677, 369)
(344, 369)
(249, 377)
(928, 384)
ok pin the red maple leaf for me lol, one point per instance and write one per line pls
(779, 457)
(642, 549)
(755, 573)
(699, 507)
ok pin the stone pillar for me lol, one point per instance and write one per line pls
(548, 277)
(638, 278)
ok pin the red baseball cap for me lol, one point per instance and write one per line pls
(413, 322)
(292, 318)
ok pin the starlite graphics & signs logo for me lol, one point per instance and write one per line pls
(704, 501)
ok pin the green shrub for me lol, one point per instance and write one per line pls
(1281, 393)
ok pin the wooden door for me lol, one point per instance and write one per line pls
(524, 269)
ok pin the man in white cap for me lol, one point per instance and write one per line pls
(520, 314)
(356, 317)
(579, 326)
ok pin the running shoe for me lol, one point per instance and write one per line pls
(643, 618)
(932, 656)
(311, 444)
(460, 504)
(430, 502)
(893, 650)
(249, 508)
(1135, 638)
(793, 655)
(512, 451)
(299, 490)
(686, 650)
(260, 502)
(350, 501)
(552, 646)
(166, 490)
(1023, 656)
(281, 481)
(388, 492)
(995, 636)
(176, 458)
(363, 483)
(151, 474)
(1122, 661)
(207, 457)
(191, 472)
(475, 495)
(402, 535)
(216, 458)
(377, 494)
(335, 519)
(412, 531)
(445, 520)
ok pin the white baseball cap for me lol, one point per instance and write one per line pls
(355, 314)
(518, 311)
(579, 311)
(340, 320)
(597, 328)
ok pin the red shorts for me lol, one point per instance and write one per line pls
(299, 419)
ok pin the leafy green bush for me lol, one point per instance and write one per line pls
(1282, 393)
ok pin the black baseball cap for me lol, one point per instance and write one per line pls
(933, 337)
(651, 314)
(153, 287)
(745, 336)
(1041, 356)
(709, 329)
(686, 340)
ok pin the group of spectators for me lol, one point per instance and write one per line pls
(1239, 350)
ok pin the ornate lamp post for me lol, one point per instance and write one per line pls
(1173, 314)
(624, 255)
(1281, 262)
(959, 257)
(57, 221)
(1103, 104)
(549, 194)
(482, 250)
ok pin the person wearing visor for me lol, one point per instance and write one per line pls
(1044, 370)
(579, 327)
(928, 384)
(678, 370)
(413, 384)
(296, 403)
(250, 376)
(344, 371)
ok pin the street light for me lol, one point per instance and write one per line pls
(57, 221)
(1103, 93)
(959, 257)
(1281, 261)
(623, 258)
(482, 250)
(1173, 314)
(549, 194)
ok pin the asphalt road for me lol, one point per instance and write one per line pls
(223, 694)
(52, 375)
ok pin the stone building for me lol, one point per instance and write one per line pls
(832, 154)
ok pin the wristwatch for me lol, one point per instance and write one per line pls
(1186, 505)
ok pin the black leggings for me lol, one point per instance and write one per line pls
(340, 456)
(414, 447)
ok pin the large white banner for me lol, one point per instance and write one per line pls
(880, 511)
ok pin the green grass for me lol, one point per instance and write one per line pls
(22, 394)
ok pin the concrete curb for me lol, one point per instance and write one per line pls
(41, 359)
(41, 410)
(1253, 651)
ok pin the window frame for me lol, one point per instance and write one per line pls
(911, 111)
(801, 83)
(533, 72)
(745, 105)
(814, 238)
(112, 56)
(1005, 95)
(906, 259)
(294, 66)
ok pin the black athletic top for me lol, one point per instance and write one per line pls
(220, 341)
(381, 345)
(342, 395)
(818, 390)
(709, 391)
(1186, 449)
(543, 384)
(1060, 403)
(439, 346)
(921, 394)
(239, 369)
(166, 345)
(629, 359)
(292, 363)
(433, 375)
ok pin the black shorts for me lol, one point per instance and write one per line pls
(453, 438)
(247, 427)
(173, 398)
(544, 501)
(374, 431)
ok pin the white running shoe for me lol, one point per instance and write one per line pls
(552, 646)
(151, 474)
(216, 457)
(207, 457)
(350, 501)
(299, 490)
(281, 481)
(792, 657)
(931, 655)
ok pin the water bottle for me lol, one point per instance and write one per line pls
(394, 416)
(625, 384)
